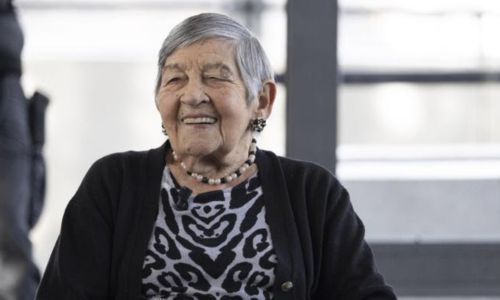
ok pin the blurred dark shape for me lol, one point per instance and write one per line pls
(36, 113)
(22, 168)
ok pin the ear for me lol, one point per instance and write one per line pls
(266, 99)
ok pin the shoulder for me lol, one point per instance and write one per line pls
(118, 159)
(110, 175)
(127, 160)
(116, 166)
(300, 168)
(114, 163)
(301, 174)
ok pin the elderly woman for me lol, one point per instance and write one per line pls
(208, 215)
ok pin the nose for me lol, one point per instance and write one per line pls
(194, 93)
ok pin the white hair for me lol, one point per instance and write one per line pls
(252, 62)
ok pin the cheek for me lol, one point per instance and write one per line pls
(233, 103)
(236, 119)
(168, 108)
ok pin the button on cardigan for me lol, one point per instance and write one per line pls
(318, 239)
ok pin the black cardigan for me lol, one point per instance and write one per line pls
(318, 239)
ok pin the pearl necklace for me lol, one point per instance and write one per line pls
(225, 179)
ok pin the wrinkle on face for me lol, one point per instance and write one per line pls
(203, 79)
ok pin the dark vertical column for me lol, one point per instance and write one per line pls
(311, 80)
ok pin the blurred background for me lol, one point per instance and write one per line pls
(400, 98)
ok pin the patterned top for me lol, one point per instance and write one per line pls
(217, 247)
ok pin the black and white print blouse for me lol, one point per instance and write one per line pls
(218, 246)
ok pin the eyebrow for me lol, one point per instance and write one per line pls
(174, 67)
(207, 67)
(218, 66)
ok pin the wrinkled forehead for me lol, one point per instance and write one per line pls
(213, 53)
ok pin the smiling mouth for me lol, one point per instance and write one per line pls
(199, 120)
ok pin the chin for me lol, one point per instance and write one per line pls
(199, 149)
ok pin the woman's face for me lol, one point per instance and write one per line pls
(202, 100)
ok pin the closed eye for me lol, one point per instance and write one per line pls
(172, 80)
(217, 78)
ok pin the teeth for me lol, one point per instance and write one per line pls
(201, 120)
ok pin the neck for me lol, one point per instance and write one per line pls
(214, 171)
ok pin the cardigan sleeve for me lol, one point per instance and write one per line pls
(80, 262)
(348, 269)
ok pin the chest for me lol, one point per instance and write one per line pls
(219, 244)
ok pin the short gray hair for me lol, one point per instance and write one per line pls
(252, 62)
